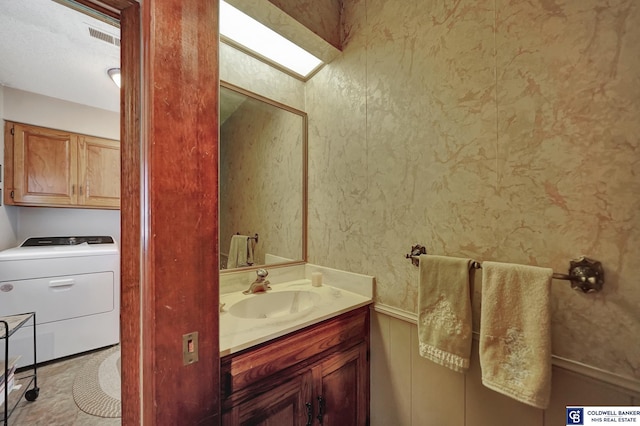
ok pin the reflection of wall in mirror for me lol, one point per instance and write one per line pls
(271, 259)
(260, 179)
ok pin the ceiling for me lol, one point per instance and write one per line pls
(47, 49)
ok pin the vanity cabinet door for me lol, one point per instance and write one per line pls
(342, 388)
(283, 405)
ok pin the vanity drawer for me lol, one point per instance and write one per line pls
(291, 352)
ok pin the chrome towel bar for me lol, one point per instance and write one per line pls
(585, 274)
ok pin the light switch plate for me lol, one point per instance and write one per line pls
(190, 348)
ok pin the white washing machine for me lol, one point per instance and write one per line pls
(73, 286)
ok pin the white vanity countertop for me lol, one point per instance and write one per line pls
(237, 333)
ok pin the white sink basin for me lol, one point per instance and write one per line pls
(274, 305)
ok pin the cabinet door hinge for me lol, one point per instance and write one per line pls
(13, 131)
(11, 194)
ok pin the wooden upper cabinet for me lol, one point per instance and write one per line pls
(99, 164)
(46, 167)
(44, 163)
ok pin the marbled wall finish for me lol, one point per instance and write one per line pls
(338, 181)
(494, 129)
(320, 16)
(261, 179)
(568, 142)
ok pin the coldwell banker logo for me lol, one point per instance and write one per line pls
(575, 416)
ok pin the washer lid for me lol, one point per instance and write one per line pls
(48, 248)
(65, 241)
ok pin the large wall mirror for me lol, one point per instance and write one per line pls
(263, 175)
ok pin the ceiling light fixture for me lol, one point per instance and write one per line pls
(266, 43)
(114, 73)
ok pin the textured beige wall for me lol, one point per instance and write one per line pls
(260, 179)
(320, 16)
(493, 129)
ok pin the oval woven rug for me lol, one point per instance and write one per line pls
(96, 388)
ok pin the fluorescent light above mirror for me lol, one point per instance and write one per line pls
(266, 43)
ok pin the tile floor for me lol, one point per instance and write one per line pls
(55, 405)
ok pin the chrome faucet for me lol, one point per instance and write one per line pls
(261, 284)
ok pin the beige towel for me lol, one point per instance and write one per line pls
(515, 338)
(444, 311)
(238, 251)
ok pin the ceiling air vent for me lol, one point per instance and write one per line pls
(101, 35)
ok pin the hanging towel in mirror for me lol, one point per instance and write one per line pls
(238, 251)
(250, 243)
(444, 311)
(515, 338)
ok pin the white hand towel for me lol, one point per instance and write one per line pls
(515, 338)
(444, 311)
(237, 251)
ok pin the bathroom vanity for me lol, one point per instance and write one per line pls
(318, 375)
(307, 364)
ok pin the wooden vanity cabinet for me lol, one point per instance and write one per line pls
(282, 405)
(316, 376)
(46, 167)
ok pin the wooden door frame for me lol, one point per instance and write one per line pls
(169, 203)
